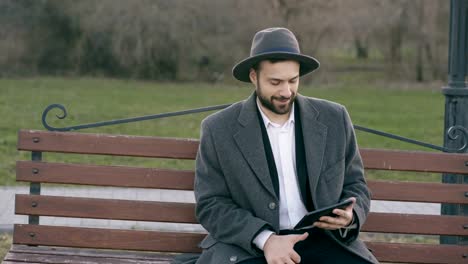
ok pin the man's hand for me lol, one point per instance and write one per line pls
(280, 249)
(342, 219)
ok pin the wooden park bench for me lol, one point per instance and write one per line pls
(36, 243)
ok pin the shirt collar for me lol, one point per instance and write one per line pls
(267, 121)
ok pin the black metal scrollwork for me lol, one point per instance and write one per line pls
(453, 133)
(47, 110)
(119, 121)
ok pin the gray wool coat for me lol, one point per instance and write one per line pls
(233, 189)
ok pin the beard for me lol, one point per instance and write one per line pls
(269, 103)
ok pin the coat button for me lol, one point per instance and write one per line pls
(272, 206)
(233, 258)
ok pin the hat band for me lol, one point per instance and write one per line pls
(277, 50)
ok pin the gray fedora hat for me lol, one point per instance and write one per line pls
(274, 43)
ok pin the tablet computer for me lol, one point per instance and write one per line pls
(310, 218)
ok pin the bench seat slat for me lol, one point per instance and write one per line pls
(116, 176)
(119, 145)
(106, 238)
(414, 161)
(52, 257)
(416, 224)
(85, 252)
(418, 192)
(16, 262)
(414, 253)
(105, 208)
(407, 253)
(418, 253)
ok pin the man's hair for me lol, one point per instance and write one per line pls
(256, 66)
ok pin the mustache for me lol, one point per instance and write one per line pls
(282, 97)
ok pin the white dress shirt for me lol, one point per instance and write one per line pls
(291, 208)
(283, 145)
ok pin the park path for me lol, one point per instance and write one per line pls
(8, 218)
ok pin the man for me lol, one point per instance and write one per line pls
(265, 162)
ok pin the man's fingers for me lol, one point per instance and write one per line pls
(327, 226)
(340, 212)
(349, 208)
(295, 257)
(300, 237)
(284, 260)
(342, 221)
(352, 199)
(279, 249)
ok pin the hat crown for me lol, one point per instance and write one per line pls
(274, 43)
(274, 40)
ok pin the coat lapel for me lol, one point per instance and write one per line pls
(315, 135)
(249, 141)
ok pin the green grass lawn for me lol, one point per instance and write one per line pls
(416, 113)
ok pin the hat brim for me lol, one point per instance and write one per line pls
(242, 69)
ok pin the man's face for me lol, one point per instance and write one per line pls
(276, 85)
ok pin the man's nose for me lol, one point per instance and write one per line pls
(286, 91)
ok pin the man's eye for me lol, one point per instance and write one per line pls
(275, 83)
(293, 81)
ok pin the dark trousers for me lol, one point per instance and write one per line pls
(317, 248)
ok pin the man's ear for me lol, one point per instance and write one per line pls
(253, 76)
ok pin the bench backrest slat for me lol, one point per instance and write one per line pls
(416, 224)
(61, 206)
(82, 143)
(414, 161)
(106, 238)
(122, 176)
(418, 192)
(185, 213)
(117, 176)
(139, 146)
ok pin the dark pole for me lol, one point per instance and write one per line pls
(456, 99)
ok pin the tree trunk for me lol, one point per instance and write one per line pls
(421, 43)
(362, 51)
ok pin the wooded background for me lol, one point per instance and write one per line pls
(200, 40)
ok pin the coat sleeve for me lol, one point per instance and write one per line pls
(215, 209)
(354, 182)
